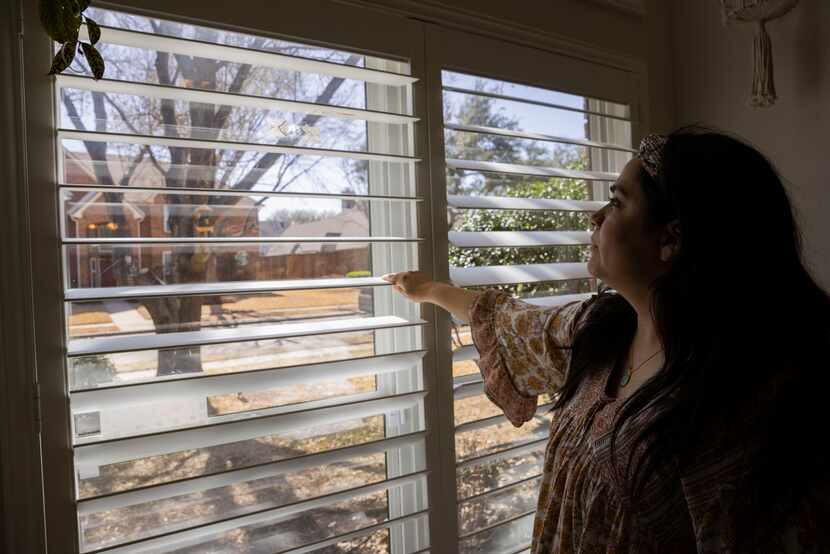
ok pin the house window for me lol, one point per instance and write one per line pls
(280, 409)
(525, 167)
(238, 375)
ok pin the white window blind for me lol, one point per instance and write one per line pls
(239, 376)
(525, 168)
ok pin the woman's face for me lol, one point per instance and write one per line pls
(626, 250)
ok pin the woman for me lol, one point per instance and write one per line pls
(689, 415)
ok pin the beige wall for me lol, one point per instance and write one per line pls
(712, 76)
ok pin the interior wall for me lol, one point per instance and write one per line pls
(588, 22)
(713, 74)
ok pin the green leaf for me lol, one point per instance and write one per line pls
(94, 59)
(59, 20)
(94, 31)
(63, 58)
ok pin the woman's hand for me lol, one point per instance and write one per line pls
(415, 285)
(418, 287)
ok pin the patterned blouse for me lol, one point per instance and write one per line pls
(580, 508)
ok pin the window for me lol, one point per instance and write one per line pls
(525, 166)
(521, 184)
(239, 375)
(221, 366)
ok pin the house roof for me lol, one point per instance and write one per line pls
(352, 222)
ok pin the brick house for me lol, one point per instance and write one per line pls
(146, 213)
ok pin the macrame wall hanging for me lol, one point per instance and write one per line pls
(759, 12)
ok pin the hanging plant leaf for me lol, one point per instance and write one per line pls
(64, 57)
(94, 59)
(60, 19)
(93, 29)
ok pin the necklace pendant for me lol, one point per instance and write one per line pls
(626, 377)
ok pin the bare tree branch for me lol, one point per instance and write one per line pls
(97, 151)
(268, 160)
(127, 177)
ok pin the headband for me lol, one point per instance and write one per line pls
(651, 153)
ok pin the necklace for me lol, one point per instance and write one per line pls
(626, 378)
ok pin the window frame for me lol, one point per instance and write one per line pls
(397, 38)
(494, 58)
(42, 468)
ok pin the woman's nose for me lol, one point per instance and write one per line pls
(597, 218)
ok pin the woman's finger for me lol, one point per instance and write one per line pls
(390, 277)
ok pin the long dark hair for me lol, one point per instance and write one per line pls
(744, 327)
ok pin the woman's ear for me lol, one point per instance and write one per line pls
(670, 241)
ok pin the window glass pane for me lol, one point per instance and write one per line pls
(139, 115)
(508, 537)
(233, 500)
(136, 264)
(465, 145)
(494, 438)
(498, 506)
(467, 367)
(374, 543)
(124, 164)
(517, 220)
(545, 288)
(460, 80)
(92, 213)
(497, 135)
(278, 534)
(189, 215)
(475, 257)
(474, 408)
(164, 468)
(480, 478)
(149, 365)
(523, 117)
(142, 316)
(486, 183)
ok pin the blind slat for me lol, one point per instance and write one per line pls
(276, 514)
(243, 192)
(355, 534)
(465, 353)
(534, 170)
(532, 102)
(514, 274)
(133, 448)
(468, 390)
(518, 239)
(506, 203)
(235, 54)
(177, 142)
(105, 345)
(233, 240)
(228, 99)
(225, 478)
(201, 385)
(526, 516)
(226, 287)
(535, 446)
(495, 420)
(463, 380)
(536, 136)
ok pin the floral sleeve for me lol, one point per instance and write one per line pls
(523, 349)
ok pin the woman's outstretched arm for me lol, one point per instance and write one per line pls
(418, 287)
